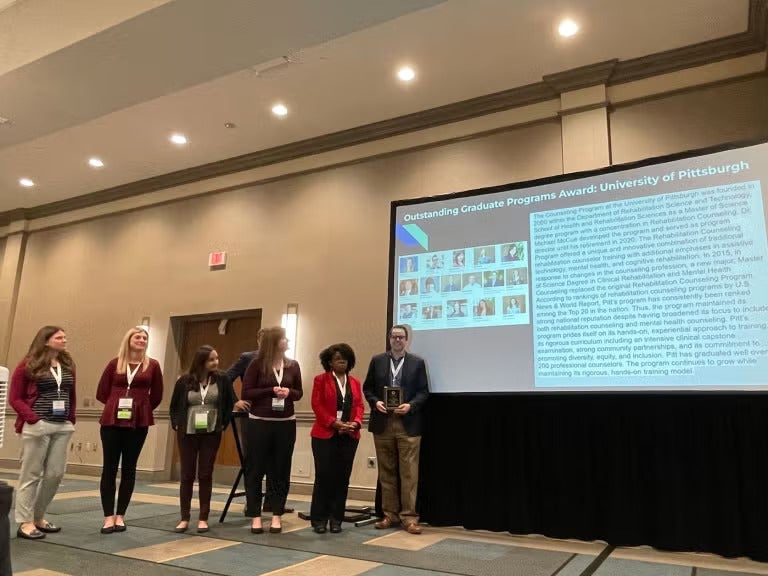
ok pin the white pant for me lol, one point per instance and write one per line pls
(43, 461)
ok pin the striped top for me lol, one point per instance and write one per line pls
(48, 391)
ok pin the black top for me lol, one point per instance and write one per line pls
(179, 405)
(48, 391)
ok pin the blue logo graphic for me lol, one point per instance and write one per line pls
(412, 235)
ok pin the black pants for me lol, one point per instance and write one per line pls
(6, 496)
(270, 451)
(197, 453)
(242, 431)
(119, 444)
(333, 466)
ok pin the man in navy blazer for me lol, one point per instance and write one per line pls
(397, 433)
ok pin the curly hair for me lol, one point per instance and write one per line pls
(344, 350)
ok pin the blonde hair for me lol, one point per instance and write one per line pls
(125, 348)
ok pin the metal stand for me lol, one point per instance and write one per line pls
(375, 514)
(236, 416)
(361, 516)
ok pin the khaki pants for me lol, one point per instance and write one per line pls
(396, 451)
(43, 461)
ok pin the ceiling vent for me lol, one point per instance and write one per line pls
(276, 67)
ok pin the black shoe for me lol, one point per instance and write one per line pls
(107, 529)
(320, 528)
(48, 528)
(34, 535)
(275, 530)
(120, 527)
(259, 530)
(335, 527)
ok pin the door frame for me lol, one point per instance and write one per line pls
(173, 359)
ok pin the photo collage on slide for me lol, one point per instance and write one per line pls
(464, 287)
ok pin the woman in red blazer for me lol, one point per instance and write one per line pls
(337, 401)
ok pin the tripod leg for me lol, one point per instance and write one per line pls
(231, 496)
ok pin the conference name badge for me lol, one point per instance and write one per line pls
(393, 397)
(278, 404)
(59, 409)
(124, 408)
(201, 421)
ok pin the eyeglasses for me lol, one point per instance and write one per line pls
(397, 337)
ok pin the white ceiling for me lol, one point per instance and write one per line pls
(192, 65)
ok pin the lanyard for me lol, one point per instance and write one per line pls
(131, 375)
(342, 387)
(57, 376)
(204, 389)
(396, 371)
(279, 374)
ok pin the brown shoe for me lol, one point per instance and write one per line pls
(413, 528)
(385, 523)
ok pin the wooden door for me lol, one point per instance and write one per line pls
(230, 337)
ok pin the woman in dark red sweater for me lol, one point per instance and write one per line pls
(130, 388)
(272, 383)
(337, 401)
(43, 395)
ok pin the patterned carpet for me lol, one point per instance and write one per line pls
(150, 546)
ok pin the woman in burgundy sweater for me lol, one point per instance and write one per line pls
(130, 388)
(271, 384)
(43, 395)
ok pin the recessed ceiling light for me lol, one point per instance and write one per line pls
(279, 110)
(95, 162)
(567, 28)
(230, 125)
(406, 74)
(179, 139)
(26, 182)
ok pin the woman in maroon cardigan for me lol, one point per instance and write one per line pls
(130, 388)
(43, 395)
(272, 383)
(337, 401)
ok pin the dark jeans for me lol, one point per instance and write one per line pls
(333, 466)
(197, 453)
(270, 450)
(119, 444)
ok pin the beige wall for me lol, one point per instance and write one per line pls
(321, 240)
(731, 112)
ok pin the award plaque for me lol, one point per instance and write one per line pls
(393, 397)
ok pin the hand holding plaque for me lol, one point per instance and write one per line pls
(393, 397)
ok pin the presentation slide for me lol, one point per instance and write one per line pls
(643, 278)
